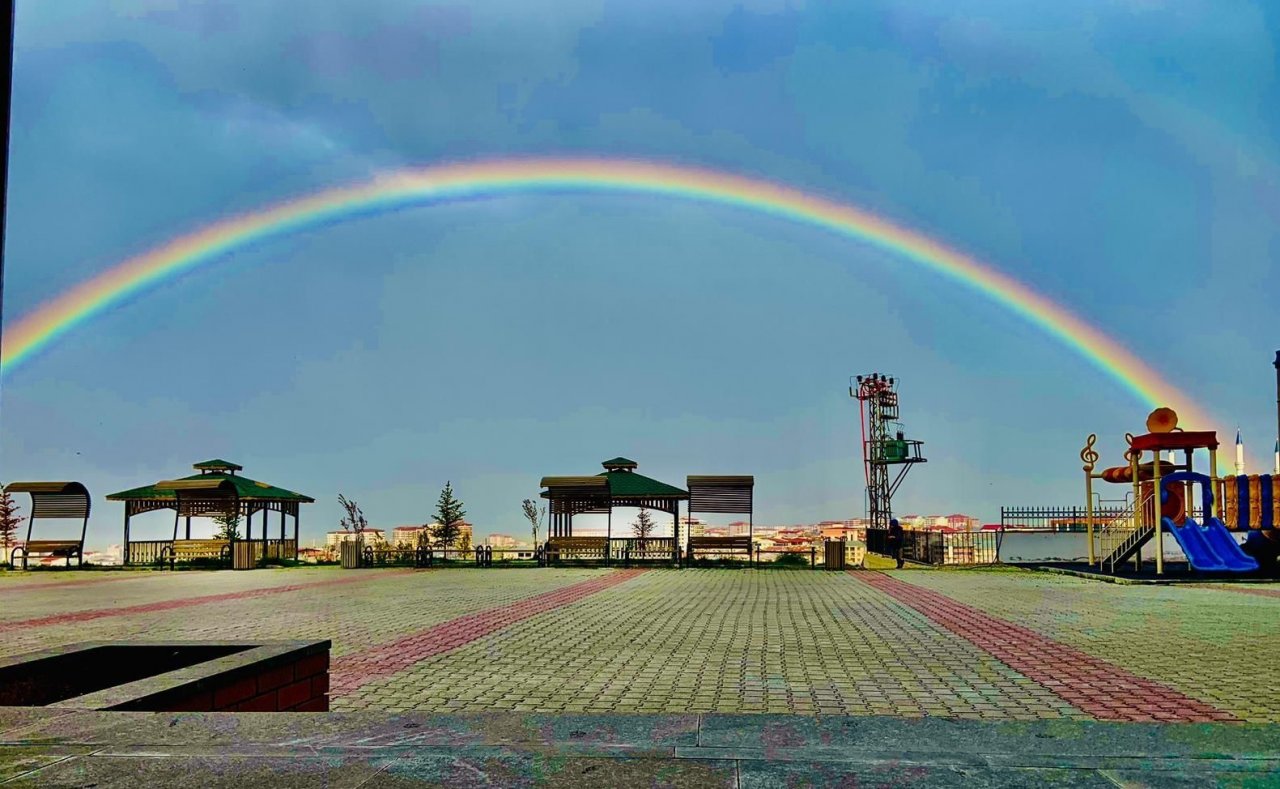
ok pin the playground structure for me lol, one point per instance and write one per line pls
(1161, 502)
(877, 397)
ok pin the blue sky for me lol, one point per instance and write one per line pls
(1120, 158)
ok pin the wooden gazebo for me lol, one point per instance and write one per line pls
(618, 486)
(217, 489)
(68, 500)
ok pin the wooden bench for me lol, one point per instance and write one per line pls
(67, 548)
(577, 548)
(187, 550)
(719, 545)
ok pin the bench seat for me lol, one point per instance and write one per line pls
(60, 548)
(577, 548)
(187, 550)
(720, 545)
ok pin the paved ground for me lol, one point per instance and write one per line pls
(128, 750)
(993, 645)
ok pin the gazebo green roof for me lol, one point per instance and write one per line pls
(245, 488)
(620, 463)
(631, 484)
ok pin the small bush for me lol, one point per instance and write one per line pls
(791, 560)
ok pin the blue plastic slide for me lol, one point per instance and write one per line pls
(1195, 545)
(1226, 547)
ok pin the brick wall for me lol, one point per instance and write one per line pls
(298, 686)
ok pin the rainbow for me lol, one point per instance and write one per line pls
(499, 177)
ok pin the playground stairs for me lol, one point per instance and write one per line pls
(1121, 537)
(1127, 548)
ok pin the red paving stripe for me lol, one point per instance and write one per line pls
(359, 668)
(1098, 687)
(1246, 590)
(168, 605)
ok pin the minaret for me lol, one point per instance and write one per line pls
(1239, 454)
(1277, 468)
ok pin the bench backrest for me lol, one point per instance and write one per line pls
(45, 546)
(596, 543)
(741, 543)
(198, 546)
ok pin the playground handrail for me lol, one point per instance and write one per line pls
(1118, 529)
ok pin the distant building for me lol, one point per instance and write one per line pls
(370, 536)
(692, 527)
(408, 535)
(837, 530)
(739, 529)
(500, 541)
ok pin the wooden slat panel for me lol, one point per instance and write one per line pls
(732, 494)
(58, 505)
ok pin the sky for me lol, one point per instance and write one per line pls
(1119, 158)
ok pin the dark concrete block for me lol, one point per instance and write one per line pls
(207, 772)
(562, 772)
(780, 775)
(16, 760)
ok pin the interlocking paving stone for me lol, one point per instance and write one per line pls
(1105, 690)
(357, 669)
(382, 606)
(187, 602)
(686, 641)
(713, 640)
(1203, 642)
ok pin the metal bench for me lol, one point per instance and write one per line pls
(186, 550)
(59, 548)
(720, 545)
(577, 548)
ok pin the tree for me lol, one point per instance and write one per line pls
(353, 521)
(10, 520)
(449, 514)
(534, 515)
(228, 524)
(643, 525)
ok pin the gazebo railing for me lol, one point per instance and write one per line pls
(639, 549)
(146, 552)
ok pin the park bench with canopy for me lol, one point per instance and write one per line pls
(721, 495)
(54, 500)
(618, 486)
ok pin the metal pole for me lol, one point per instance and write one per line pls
(4, 142)
(1277, 365)
(1088, 509)
(1159, 516)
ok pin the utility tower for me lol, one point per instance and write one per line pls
(883, 444)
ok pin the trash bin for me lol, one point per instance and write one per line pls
(244, 555)
(350, 555)
(833, 558)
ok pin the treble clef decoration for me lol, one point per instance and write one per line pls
(1088, 455)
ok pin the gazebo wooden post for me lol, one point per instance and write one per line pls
(188, 527)
(675, 533)
(296, 511)
(128, 510)
(608, 531)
